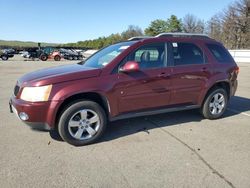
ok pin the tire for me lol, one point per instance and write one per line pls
(70, 58)
(215, 104)
(5, 57)
(57, 58)
(75, 57)
(75, 125)
(44, 57)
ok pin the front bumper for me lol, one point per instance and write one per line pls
(41, 115)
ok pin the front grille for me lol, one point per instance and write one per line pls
(16, 90)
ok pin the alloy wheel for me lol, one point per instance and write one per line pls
(84, 124)
(217, 104)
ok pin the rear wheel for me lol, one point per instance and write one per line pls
(215, 104)
(57, 58)
(82, 123)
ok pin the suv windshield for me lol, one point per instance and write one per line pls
(106, 55)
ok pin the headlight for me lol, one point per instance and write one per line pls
(36, 94)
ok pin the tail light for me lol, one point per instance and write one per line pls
(237, 70)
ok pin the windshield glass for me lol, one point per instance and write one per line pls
(106, 55)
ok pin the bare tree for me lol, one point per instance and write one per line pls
(191, 24)
(232, 26)
(214, 27)
(132, 31)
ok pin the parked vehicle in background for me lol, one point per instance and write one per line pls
(143, 76)
(32, 53)
(89, 53)
(70, 54)
(50, 53)
(5, 54)
(24, 54)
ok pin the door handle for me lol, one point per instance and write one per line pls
(164, 75)
(204, 69)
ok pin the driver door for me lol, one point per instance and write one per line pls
(148, 88)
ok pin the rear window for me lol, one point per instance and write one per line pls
(220, 53)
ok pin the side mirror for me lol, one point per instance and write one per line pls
(130, 66)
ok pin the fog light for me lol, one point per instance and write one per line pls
(23, 116)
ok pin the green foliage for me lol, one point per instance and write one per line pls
(156, 27)
(96, 43)
(5, 43)
(173, 24)
(105, 41)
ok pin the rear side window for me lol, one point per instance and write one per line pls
(187, 54)
(220, 54)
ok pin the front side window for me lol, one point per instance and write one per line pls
(106, 55)
(186, 54)
(149, 56)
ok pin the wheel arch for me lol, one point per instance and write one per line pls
(220, 84)
(92, 96)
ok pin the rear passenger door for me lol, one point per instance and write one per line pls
(190, 72)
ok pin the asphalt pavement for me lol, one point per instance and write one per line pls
(179, 149)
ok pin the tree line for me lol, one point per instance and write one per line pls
(230, 26)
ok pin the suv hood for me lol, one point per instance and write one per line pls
(58, 74)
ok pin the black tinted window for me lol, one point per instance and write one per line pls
(149, 56)
(221, 54)
(186, 54)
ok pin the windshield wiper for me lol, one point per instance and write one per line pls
(81, 62)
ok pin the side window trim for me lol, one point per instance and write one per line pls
(166, 55)
(170, 57)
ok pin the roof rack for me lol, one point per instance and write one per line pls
(138, 38)
(182, 35)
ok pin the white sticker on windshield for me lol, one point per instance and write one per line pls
(123, 47)
(175, 45)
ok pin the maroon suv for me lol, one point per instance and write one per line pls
(142, 76)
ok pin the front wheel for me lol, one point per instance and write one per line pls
(5, 57)
(43, 57)
(82, 123)
(215, 104)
